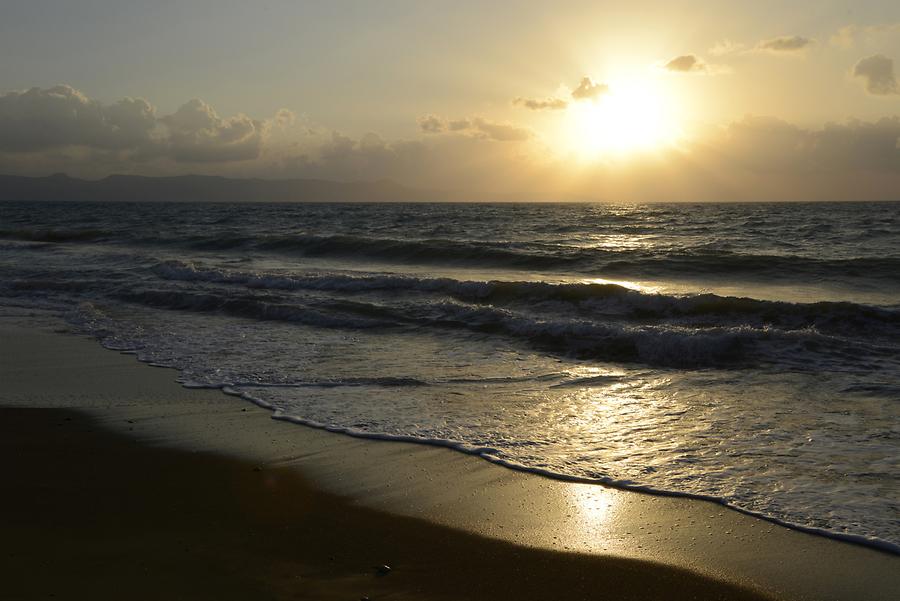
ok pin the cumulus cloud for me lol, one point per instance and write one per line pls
(785, 44)
(477, 127)
(40, 119)
(61, 117)
(285, 117)
(588, 90)
(536, 104)
(877, 71)
(197, 134)
(686, 63)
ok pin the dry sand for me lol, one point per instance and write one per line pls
(167, 476)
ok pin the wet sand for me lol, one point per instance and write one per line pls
(157, 490)
(94, 515)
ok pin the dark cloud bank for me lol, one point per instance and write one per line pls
(757, 158)
(44, 119)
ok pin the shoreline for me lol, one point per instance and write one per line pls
(405, 479)
(855, 539)
(234, 531)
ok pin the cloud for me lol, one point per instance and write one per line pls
(755, 158)
(477, 127)
(503, 132)
(765, 158)
(40, 119)
(859, 145)
(785, 44)
(61, 117)
(845, 37)
(339, 157)
(588, 90)
(878, 72)
(687, 63)
(197, 134)
(459, 125)
(285, 117)
(432, 124)
(849, 35)
(551, 104)
(726, 47)
(442, 162)
(770, 145)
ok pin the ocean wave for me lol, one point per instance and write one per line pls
(501, 452)
(530, 255)
(591, 299)
(702, 262)
(385, 382)
(58, 235)
(583, 256)
(432, 251)
(250, 307)
(666, 345)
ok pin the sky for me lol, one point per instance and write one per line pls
(640, 101)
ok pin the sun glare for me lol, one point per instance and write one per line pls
(636, 115)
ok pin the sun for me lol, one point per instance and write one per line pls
(635, 115)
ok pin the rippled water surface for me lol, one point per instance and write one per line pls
(749, 353)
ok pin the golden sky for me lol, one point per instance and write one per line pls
(641, 101)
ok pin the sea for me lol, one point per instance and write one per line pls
(743, 353)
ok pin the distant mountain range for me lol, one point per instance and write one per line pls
(206, 188)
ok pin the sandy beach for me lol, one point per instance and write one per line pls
(119, 479)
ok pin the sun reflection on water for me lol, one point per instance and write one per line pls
(594, 504)
(631, 285)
